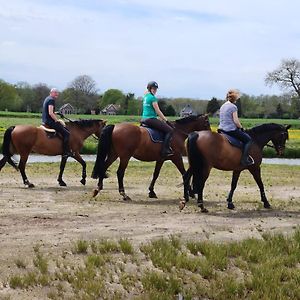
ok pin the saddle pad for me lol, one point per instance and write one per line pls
(233, 141)
(50, 130)
(155, 135)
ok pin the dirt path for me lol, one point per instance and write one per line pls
(55, 217)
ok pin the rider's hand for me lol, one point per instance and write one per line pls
(242, 129)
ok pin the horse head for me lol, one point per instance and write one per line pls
(279, 138)
(193, 123)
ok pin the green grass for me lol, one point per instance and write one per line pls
(8, 119)
(250, 269)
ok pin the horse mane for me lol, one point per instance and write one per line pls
(188, 119)
(84, 123)
(265, 127)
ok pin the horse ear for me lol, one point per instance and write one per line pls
(104, 122)
(288, 127)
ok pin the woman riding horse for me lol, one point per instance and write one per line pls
(231, 125)
(127, 140)
(151, 111)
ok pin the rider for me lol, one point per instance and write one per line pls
(231, 125)
(151, 111)
(50, 119)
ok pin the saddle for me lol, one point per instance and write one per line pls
(156, 136)
(50, 132)
(232, 140)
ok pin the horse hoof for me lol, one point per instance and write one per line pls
(204, 210)
(62, 183)
(126, 198)
(83, 181)
(230, 205)
(31, 185)
(95, 193)
(267, 205)
(182, 205)
(152, 195)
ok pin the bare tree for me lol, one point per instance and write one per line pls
(84, 84)
(287, 76)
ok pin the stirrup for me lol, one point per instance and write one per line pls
(248, 161)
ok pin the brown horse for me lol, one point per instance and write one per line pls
(24, 139)
(207, 150)
(126, 140)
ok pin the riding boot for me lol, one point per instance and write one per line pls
(66, 149)
(166, 149)
(246, 159)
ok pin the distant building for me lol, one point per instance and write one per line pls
(110, 109)
(187, 111)
(67, 109)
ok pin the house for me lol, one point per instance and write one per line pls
(187, 111)
(67, 109)
(110, 109)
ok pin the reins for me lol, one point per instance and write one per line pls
(71, 121)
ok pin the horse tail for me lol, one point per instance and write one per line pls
(104, 147)
(5, 150)
(196, 161)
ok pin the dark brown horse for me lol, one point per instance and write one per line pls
(207, 150)
(24, 139)
(126, 140)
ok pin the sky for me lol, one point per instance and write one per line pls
(196, 48)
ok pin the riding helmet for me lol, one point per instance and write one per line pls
(152, 84)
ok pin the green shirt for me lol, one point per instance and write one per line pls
(148, 109)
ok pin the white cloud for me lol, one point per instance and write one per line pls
(195, 48)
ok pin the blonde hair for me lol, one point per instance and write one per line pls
(232, 95)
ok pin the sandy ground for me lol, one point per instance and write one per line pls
(55, 217)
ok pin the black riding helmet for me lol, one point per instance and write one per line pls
(152, 84)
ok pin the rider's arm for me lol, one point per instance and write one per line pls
(52, 113)
(236, 120)
(158, 111)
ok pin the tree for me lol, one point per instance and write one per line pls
(279, 110)
(163, 105)
(84, 84)
(112, 96)
(212, 106)
(41, 91)
(239, 107)
(27, 94)
(287, 76)
(170, 111)
(9, 98)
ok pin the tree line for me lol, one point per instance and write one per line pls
(83, 95)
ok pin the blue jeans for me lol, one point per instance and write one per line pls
(240, 135)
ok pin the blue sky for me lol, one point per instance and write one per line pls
(195, 49)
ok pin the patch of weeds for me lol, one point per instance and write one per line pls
(160, 285)
(215, 254)
(16, 282)
(106, 246)
(20, 263)
(128, 281)
(126, 246)
(80, 247)
(226, 287)
(95, 261)
(40, 262)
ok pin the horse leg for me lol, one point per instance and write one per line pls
(22, 164)
(120, 173)
(187, 187)
(257, 177)
(158, 166)
(61, 170)
(78, 157)
(205, 173)
(234, 180)
(109, 160)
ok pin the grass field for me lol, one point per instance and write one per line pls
(8, 119)
(61, 244)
